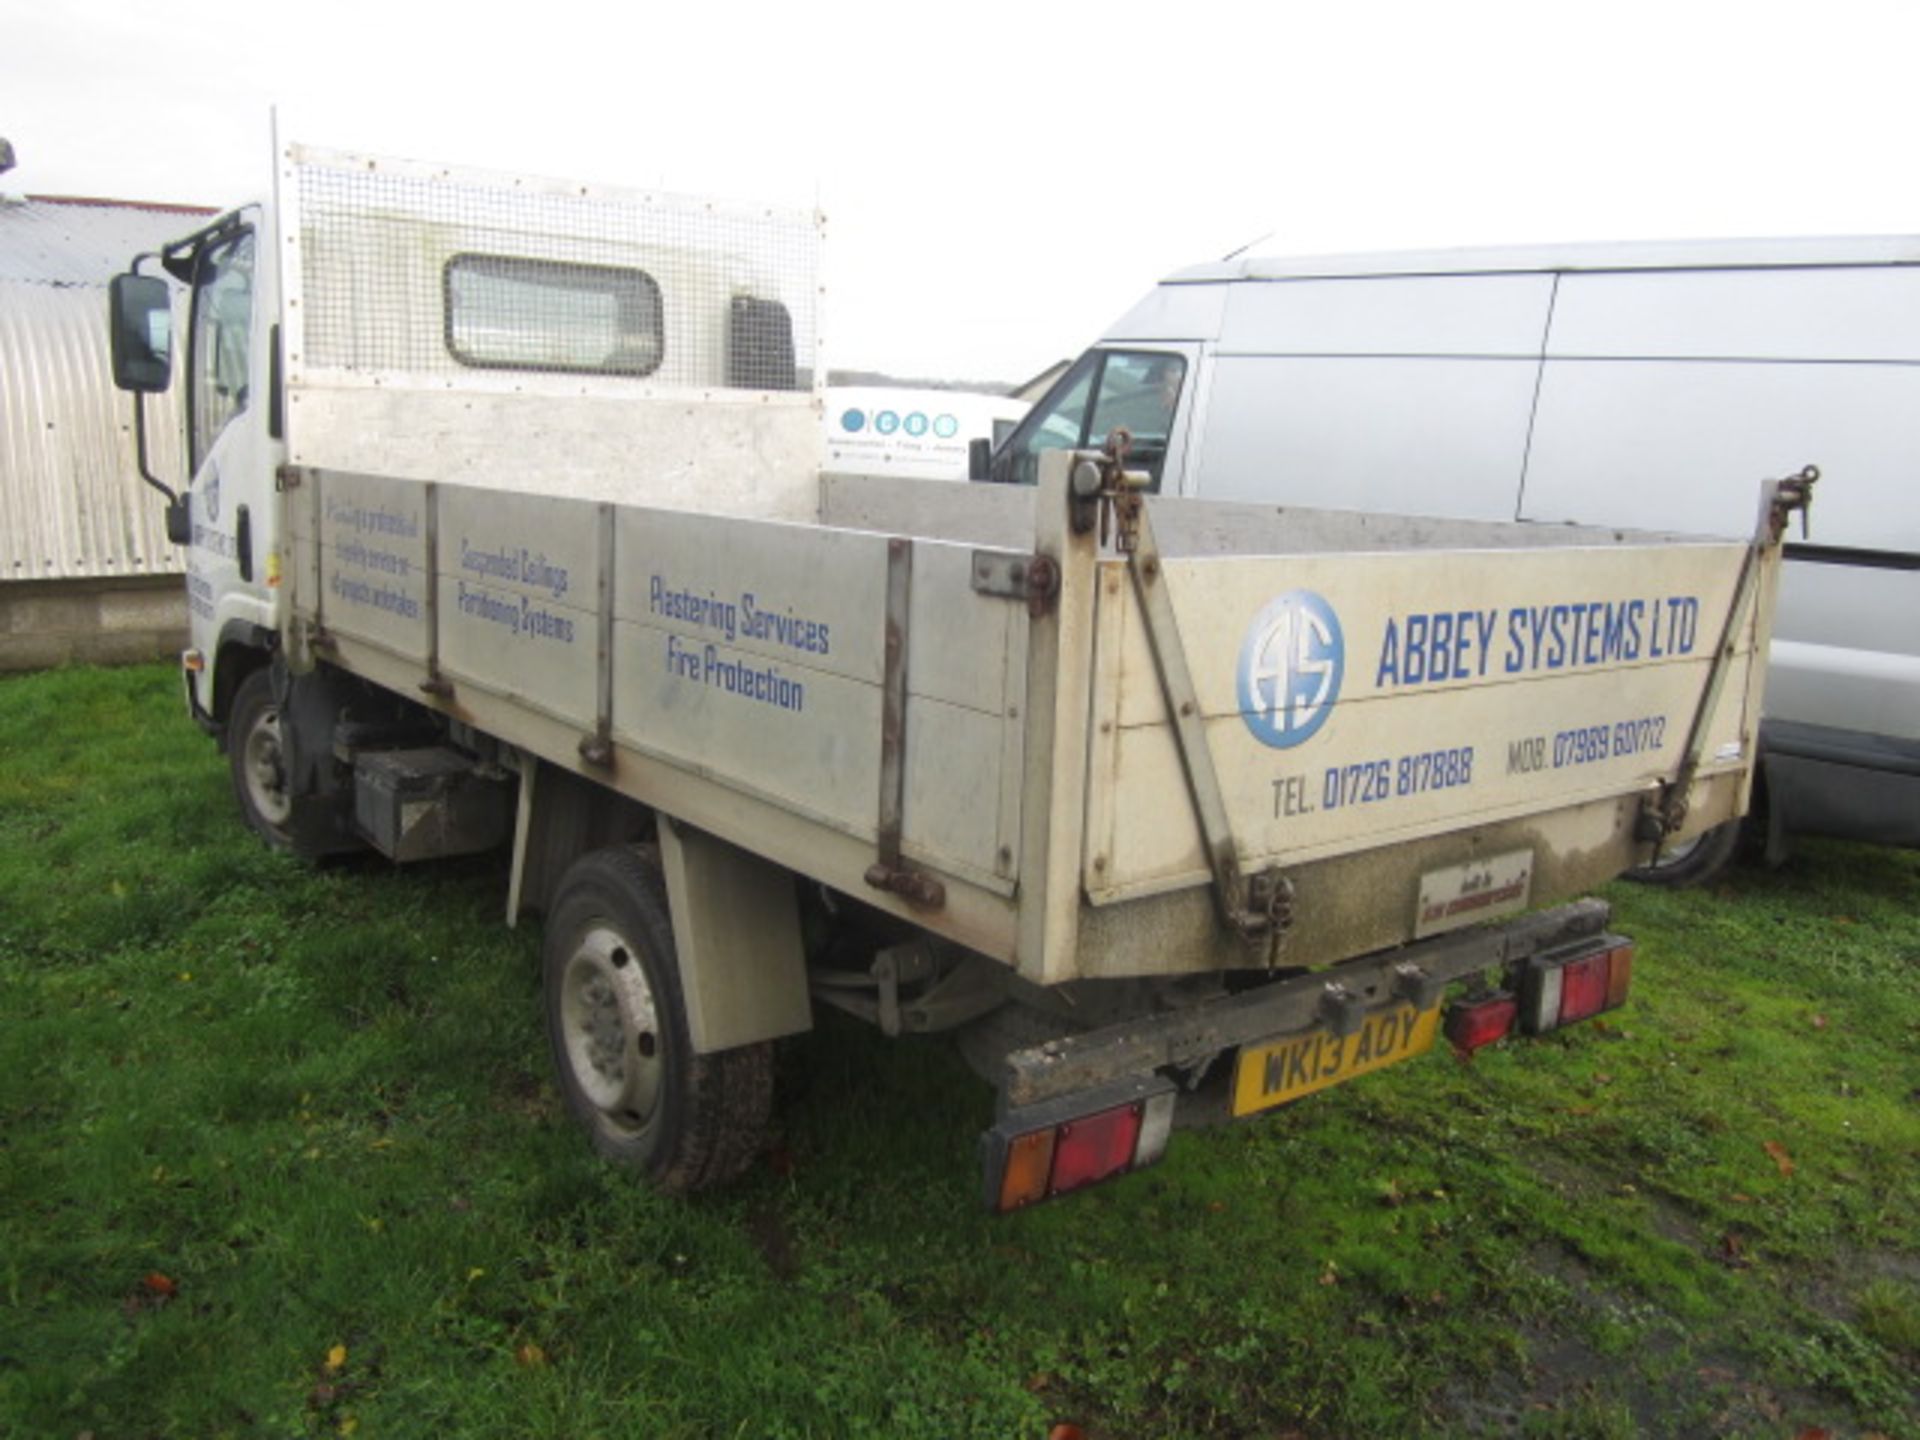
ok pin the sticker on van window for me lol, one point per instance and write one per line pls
(1291, 664)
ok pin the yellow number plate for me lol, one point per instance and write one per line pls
(1280, 1070)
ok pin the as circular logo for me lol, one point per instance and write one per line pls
(916, 424)
(1291, 663)
(945, 426)
(886, 422)
(853, 421)
(210, 494)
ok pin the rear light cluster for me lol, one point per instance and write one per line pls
(1557, 990)
(1067, 1145)
(1561, 989)
(1553, 990)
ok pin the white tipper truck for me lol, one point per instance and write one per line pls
(507, 526)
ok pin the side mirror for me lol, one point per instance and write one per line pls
(140, 331)
(979, 459)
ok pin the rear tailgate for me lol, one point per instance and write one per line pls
(1407, 731)
(1353, 701)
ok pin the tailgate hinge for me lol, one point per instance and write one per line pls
(1034, 579)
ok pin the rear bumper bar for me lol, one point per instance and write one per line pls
(1338, 996)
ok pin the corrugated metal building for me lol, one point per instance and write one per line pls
(86, 572)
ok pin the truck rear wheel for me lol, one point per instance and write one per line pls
(617, 1021)
(257, 761)
(1694, 861)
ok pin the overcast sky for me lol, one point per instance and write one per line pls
(1001, 181)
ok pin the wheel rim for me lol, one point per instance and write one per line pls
(264, 766)
(610, 1027)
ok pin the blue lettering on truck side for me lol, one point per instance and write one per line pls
(1292, 661)
(750, 616)
(1434, 647)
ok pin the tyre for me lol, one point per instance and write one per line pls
(257, 761)
(1694, 861)
(617, 1022)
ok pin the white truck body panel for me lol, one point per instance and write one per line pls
(750, 656)
(719, 456)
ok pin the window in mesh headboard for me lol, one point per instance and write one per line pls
(760, 345)
(519, 313)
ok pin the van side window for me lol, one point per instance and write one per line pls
(1060, 424)
(1106, 390)
(513, 312)
(222, 320)
(1138, 392)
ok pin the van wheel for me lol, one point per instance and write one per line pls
(1692, 862)
(257, 761)
(617, 1022)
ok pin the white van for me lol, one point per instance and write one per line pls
(1637, 385)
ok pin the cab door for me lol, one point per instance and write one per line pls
(232, 556)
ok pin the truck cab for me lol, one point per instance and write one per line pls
(223, 513)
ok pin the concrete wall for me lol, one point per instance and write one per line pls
(92, 621)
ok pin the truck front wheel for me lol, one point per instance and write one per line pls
(257, 761)
(617, 1022)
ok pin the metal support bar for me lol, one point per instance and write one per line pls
(597, 748)
(319, 557)
(1183, 707)
(1256, 918)
(890, 871)
(893, 702)
(1666, 812)
(435, 684)
(1051, 804)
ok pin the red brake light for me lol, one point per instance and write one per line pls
(1583, 987)
(1472, 1024)
(1094, 1148)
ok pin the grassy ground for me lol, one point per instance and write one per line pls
(279, 1155)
